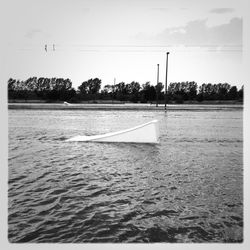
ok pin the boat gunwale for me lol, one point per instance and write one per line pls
(107, 135)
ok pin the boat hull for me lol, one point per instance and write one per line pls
(145, 133)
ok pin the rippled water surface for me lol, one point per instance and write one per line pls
(188, 188)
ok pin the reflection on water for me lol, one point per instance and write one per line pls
(186, 189)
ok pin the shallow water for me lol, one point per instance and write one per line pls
(188, 188)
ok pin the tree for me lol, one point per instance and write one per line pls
(148, 92)
(31, 83)
(44, 88)
(222, 90)
(207, 91)
(11, 84)
(241, 93)
(108, 89)
(180, 91)
(134, 88)
(233, 93)
(11, 88)
(90, 87)
(192, 90)
(94, 86)
(121, 91)
(40, 84)
(83, 88)
(133, 91)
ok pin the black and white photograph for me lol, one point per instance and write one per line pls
(124, 122)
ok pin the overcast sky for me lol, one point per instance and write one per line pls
(124, 40)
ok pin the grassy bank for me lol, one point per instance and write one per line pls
(211, 102)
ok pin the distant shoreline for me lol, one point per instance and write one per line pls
(125, 106)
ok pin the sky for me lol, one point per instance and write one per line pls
(124, 40)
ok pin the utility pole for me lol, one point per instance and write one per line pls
(156, 88)
(113, 90)
(166, 83)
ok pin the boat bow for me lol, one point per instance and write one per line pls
(145, 133)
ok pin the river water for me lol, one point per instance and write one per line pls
(188, 188)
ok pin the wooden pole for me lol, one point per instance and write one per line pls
(113, 90)
(166, 83)
(157, 85)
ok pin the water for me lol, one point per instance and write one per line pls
(189, 188)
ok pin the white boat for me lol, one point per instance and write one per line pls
(66, 103)
(145, 133)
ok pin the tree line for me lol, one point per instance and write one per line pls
(60, 89)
